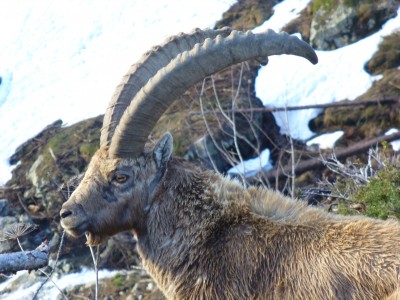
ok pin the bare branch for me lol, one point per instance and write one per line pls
(290, 108)
(313, 163)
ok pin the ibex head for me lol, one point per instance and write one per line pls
(123, 176)
(114, 194)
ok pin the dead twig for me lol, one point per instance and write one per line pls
(315, 163)
(346, 103)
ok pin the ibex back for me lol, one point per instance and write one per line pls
(205, 236)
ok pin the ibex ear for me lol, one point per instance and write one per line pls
(163, 149)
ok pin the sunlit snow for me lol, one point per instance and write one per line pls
(327, 140)
(49, 291)
(395, 144)
(250, 167)
(284, 12)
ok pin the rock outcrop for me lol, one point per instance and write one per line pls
(337, 24)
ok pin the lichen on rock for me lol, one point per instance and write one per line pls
(338, 23)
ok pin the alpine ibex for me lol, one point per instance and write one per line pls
(205, 236)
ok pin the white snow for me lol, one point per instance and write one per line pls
(327, 140)
(250, 167)
(395, 144)
(63, 59)
(284, 12)
(49, 291)
(5, 84)
(339, 75)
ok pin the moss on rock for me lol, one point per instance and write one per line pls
(51, 158)
(337, 23)
(326, 5)
(388, 55)
(247, 14)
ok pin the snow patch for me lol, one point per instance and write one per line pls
(252, 166)
(395, 144)
(284, 12)
(327, 140)
(49, 291)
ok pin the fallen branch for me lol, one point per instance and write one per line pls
(27, 260)
(314, 163)
(313, 106)
(7, 191)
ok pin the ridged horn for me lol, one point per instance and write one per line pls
(147, 67)
(185, 70)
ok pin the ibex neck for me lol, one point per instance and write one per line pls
(191, 213)
(182, 208)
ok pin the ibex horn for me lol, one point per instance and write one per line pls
(144, 69)
(187, 68)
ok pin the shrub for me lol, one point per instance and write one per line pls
(381, 195)
(371, 188)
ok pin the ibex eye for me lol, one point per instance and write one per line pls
(120, 178)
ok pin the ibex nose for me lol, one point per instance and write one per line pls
(65, 213)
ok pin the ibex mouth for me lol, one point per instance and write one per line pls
(74, 230)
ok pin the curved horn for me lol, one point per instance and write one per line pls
(186, 69)
(144, 69)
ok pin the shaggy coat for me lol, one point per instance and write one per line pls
(205, 236)
(222, 241)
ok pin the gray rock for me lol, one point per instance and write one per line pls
(32, 172)
(346, 24)
(219, 149)
(7, 221)
(6, 245)
(3, 207)
(335, 31)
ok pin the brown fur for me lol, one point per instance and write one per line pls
(205, 236)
